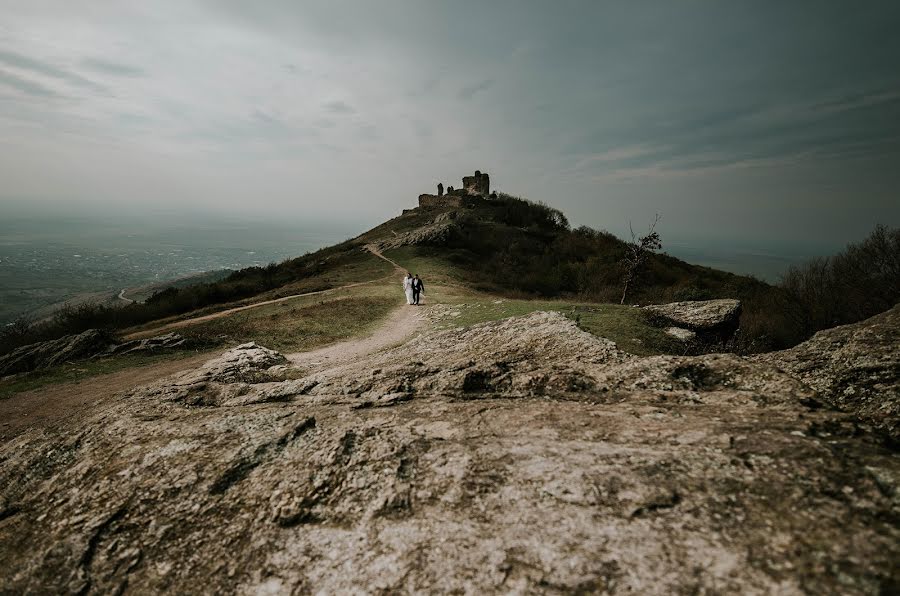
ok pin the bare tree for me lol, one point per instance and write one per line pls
(636, 254)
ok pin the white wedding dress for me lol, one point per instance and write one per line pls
(408, 289)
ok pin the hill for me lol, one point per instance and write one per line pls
(312, 433)
(504, 245)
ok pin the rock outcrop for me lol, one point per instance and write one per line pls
(58, 351)
(710, 321)
(92, 343)
(522, 456)
(169, 341)
(437, 231)
(855, 368)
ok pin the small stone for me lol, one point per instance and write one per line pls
(681, 334)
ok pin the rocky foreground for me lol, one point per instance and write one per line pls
(519, 456)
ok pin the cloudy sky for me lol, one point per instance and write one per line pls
(757, 122)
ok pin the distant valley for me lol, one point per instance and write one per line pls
(46, 261)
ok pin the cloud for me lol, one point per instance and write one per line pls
(339, 107)
(469, 91)
(113, 68)
(48, 69)
(25, 86)
(224, 99)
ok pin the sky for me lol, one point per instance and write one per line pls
(751, 123)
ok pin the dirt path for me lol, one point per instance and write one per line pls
(224, 313)
(402, 324)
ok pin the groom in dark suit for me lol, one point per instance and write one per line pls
(418, 288)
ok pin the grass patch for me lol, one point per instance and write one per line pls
(625, 325)
(78, 371)
(361, 268)
(292, 327)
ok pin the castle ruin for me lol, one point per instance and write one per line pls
(473, 188)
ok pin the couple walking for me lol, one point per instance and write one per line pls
(413, 288)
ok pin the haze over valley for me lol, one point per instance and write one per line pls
(47, 260)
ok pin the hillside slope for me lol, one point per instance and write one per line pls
(505, 245)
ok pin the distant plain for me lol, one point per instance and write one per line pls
(46, 261)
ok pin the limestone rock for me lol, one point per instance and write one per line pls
(223, 379)
(701, 315)
(520, 456)
(853, 367)
(50, 353)
(435, 232)
(681, 333)
(92, 343)
(168, 341)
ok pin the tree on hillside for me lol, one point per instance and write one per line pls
(636, 253)
(852, 285)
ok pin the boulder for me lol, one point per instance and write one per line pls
(92, 343)
(151, 344)
(697, 315)
(58, 351)
(435, 232)
(518, 456)
(712, 322)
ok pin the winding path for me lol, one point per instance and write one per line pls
(224, 313)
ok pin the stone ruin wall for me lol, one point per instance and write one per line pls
(474, 187)
(479, 184)
(441, 201)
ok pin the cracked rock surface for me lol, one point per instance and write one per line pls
(521, 456)
(853, 367)
(697, 315)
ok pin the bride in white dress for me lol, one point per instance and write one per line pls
(408, 288)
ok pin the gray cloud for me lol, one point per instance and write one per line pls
(113, 68)
(611, 111)
(469, 91)
(25, 86)
(48, 69)
(339, 107)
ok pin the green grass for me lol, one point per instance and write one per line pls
(301, 324)
(423, 260)
(625, 325)
(78, 371)
(358, 266)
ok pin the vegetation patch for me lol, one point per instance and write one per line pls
(625, 325)
(289, 327)
(324, 269)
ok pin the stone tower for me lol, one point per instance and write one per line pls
(479, 184)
